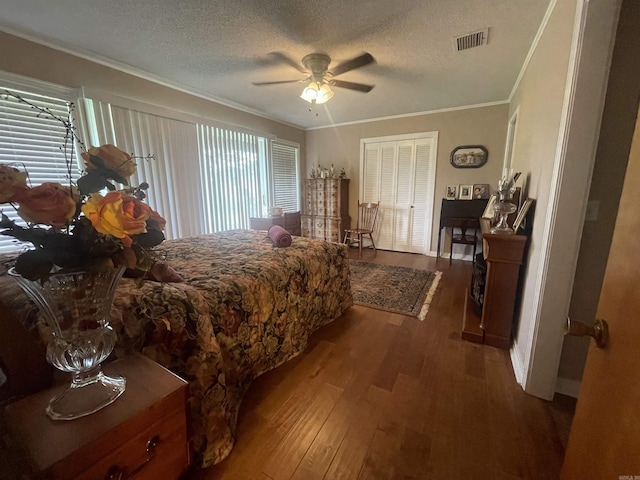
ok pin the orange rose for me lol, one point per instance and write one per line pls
(48, 204)
(112, 159)
(118, 215)
(12, 181)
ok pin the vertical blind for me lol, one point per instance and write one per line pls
(232, 166)
(172, 172)
(34, 143)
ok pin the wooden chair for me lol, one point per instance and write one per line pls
(367, 213)
(292, 223)
(465, 225)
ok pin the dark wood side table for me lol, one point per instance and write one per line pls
(142, 435)
(504, 255)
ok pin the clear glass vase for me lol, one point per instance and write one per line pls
(503, 209)
(76, 308)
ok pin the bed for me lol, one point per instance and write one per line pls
(244, 308)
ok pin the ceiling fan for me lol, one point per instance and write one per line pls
(320, 78)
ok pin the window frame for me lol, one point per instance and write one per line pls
(58, 93)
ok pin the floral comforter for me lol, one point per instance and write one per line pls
(243, 309)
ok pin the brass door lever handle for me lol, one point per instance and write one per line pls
(599, 331)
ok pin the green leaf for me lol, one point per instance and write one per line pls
(90, 183)
(149, 239)
(33, 265)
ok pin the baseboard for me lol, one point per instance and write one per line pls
(458, 256)
(569, 387)
(518, 368)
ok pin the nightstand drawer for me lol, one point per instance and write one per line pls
(166, 444)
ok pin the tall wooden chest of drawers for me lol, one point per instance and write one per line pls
(326, 208)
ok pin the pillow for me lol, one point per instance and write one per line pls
(279, 236)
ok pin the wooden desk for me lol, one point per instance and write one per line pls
(504, 255)
(453, 211)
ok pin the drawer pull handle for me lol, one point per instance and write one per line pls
(151, 446)
(114, 473)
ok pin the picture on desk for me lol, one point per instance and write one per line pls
(481, 190)
(466, 192)
(452, 192)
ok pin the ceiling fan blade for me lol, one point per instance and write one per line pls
(361, 61)
(288, 60)
(360, 87)
(276, 83)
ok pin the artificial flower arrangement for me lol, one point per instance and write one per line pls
(74, 226)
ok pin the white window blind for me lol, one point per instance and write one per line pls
(285, 176)
(33, 143)
(232, 172)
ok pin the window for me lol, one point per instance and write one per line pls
(33, 142)
(285, 176)
(232, 166)
(203, 178)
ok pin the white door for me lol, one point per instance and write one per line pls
(400, 176)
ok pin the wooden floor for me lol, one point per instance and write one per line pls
(384, 396)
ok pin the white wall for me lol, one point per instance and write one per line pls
(560, 99)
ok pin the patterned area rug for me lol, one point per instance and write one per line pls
(394, 289)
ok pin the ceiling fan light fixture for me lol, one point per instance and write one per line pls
(324, 94)
(310, 93)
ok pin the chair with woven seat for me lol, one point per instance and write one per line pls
(367, 213)
(464, 237)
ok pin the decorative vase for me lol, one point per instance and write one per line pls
(76, 308)
(503, 209)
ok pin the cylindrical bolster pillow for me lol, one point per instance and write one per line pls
(279, 236)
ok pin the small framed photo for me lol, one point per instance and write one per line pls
(489, 211)
(469, 156)
(466, 192)
(452, 192)
(481, 190)
(522, 214)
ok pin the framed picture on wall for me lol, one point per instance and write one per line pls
(469, 156)
(466, 192)
(481, 190)
(452, 192)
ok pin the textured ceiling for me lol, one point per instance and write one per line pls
(218, 48)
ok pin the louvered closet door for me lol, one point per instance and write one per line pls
(400, 175)
(386, 196)
(423, 192)
(403, 198)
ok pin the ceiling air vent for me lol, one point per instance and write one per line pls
(471, 40)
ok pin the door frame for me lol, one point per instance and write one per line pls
(592, 46)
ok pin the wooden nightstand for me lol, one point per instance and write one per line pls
(142, 435)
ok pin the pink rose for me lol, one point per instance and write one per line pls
(112, 159)
(48, 204)
(12, 181)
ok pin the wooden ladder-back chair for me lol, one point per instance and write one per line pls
(367, 213)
